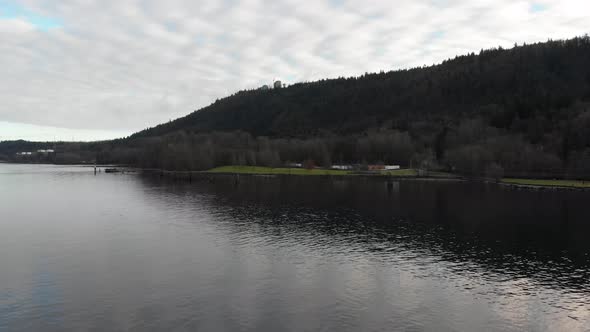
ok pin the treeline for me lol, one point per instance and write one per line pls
(469, 146)
(63, 152)
(194, 151)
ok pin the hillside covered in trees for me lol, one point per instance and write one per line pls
(522, 111)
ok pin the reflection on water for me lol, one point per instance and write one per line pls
(127, 252)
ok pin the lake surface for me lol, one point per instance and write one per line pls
(117, 252)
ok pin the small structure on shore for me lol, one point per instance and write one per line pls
(376, 167)
(343, 167)
(45, 152)
(380, 167)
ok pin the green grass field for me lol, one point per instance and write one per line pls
(269, 170)
(302, 171)
(548, 183)
(395, 173)
(400, 172)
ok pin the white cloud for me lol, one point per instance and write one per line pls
(14, 131)
(15, 26)
(126, 65)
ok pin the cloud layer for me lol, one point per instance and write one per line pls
(125, 65)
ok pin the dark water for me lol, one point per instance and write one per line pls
(126, 252)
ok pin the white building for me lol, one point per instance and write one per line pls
(294, 165)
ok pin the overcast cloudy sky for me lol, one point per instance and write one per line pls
(84, 69)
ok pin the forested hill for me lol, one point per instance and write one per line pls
(499, 84)
(523, 111)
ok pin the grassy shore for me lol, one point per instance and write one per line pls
(302, 171)
(407, 173)
(548, 183)
(269, 170)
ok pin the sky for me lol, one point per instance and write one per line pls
(88, 70)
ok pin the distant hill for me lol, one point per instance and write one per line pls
(500, 84)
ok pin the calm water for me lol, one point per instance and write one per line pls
(127, 252)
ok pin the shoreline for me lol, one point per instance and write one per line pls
(397, 175)
(540, 184)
